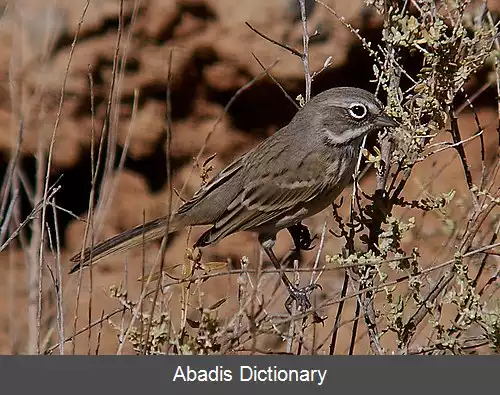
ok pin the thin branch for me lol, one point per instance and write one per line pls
(305, 55)
(276, 82)
(281, 45)
(53, 139)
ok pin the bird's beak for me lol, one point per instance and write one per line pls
(384, 120)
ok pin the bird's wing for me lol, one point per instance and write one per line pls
(225, 175)
(264, 202)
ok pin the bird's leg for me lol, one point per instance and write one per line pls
(300, 295)
(301, 237)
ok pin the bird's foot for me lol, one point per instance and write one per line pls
(301, 237)
(301, 297)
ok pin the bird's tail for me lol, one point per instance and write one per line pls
(124, 241)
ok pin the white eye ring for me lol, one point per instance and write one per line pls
(358, 110)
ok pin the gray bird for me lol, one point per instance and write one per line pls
(292, 175)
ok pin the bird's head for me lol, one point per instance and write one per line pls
(346, 114)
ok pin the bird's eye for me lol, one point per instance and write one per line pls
(358, 111)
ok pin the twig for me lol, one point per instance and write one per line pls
(284, 46)
(338, 316)
(168, 102)
(355, 323)
(51, 151)
(291, 329)
(455, 133)
(58, 285)
(29, 218)
(305, 55)
(277, 83)
(318, 256)
(5, 190)
(10, 211)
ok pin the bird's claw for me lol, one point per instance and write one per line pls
(302, 237)
(301, 297)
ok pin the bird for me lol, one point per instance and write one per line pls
(291, 175)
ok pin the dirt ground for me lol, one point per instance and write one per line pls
(214, 55)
